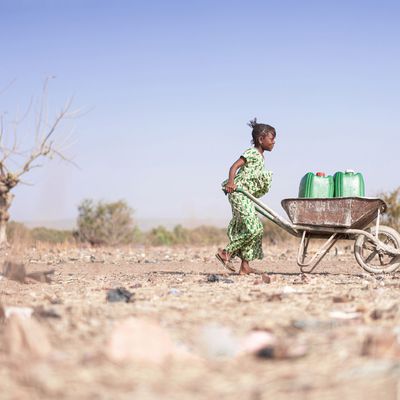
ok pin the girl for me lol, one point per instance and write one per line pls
(245, 231)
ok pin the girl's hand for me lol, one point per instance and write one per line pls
(230, 187)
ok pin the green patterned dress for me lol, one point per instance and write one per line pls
(245, 231)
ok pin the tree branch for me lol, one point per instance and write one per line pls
(44, 147)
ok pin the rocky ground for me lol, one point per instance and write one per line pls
(186, 328)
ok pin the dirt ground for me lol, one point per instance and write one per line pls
(344, 321)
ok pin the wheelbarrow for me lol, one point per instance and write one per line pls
(376, 248)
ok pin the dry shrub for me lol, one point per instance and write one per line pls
(273, 234)
(18, 234)
(52, 236)
(202, 235)
(105, 224)
(160, 236)
(392, 215)
(207, 235)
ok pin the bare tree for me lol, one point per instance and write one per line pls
(17, 159)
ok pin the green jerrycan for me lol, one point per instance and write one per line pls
(316, 185)
(349, 184)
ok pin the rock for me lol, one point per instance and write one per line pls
(388, 312)
(342, 298)
(382, 344)
(288, 290)
(218, 341)
(263, 279)
(138, 340)
(14, 271)
(271, 297)
(23, 312)
(264, 344)
(213, 278)
(25, 337)
(257, 340)
(119, 294)
(313, 324)
(41, 276)
(41, 312)
(135, 286)
(304, 279)
(174, 292)
(17, 272)
(282, 351)
(266, 278)
(345, 315)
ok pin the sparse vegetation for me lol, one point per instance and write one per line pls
(19, 233)
(207, 235)
(202, 235)
(110, 224)
(392, 215)
(103, 223)
(160, 236)
(55, 236)
(273, 234)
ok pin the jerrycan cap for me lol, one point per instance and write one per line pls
(320, 174)
(349, 171)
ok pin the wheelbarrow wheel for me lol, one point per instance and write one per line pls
(374, 260)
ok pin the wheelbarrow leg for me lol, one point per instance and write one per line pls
(308, 267)
(302, 254)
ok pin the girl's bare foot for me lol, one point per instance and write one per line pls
(245, 269)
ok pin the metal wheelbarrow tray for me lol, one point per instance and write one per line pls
(347, 212)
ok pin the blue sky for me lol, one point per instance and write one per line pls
(171, 85)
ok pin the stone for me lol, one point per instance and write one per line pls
(382, 344)
(14, 271)
(119, 294)
(25, 337)
(136, 339)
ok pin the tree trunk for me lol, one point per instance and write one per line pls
(3, 234)
(5, 203)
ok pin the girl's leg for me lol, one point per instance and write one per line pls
(245, 229)
(245, 233)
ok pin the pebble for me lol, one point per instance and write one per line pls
(119, 294)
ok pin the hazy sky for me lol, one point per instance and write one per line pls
(172, 84)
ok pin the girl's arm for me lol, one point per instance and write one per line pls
(230, 185)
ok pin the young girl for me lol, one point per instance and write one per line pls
(245, 231)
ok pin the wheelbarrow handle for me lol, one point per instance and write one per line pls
(267, 212)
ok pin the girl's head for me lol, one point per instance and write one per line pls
(263, 135)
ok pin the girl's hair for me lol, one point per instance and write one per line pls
(260, 130)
